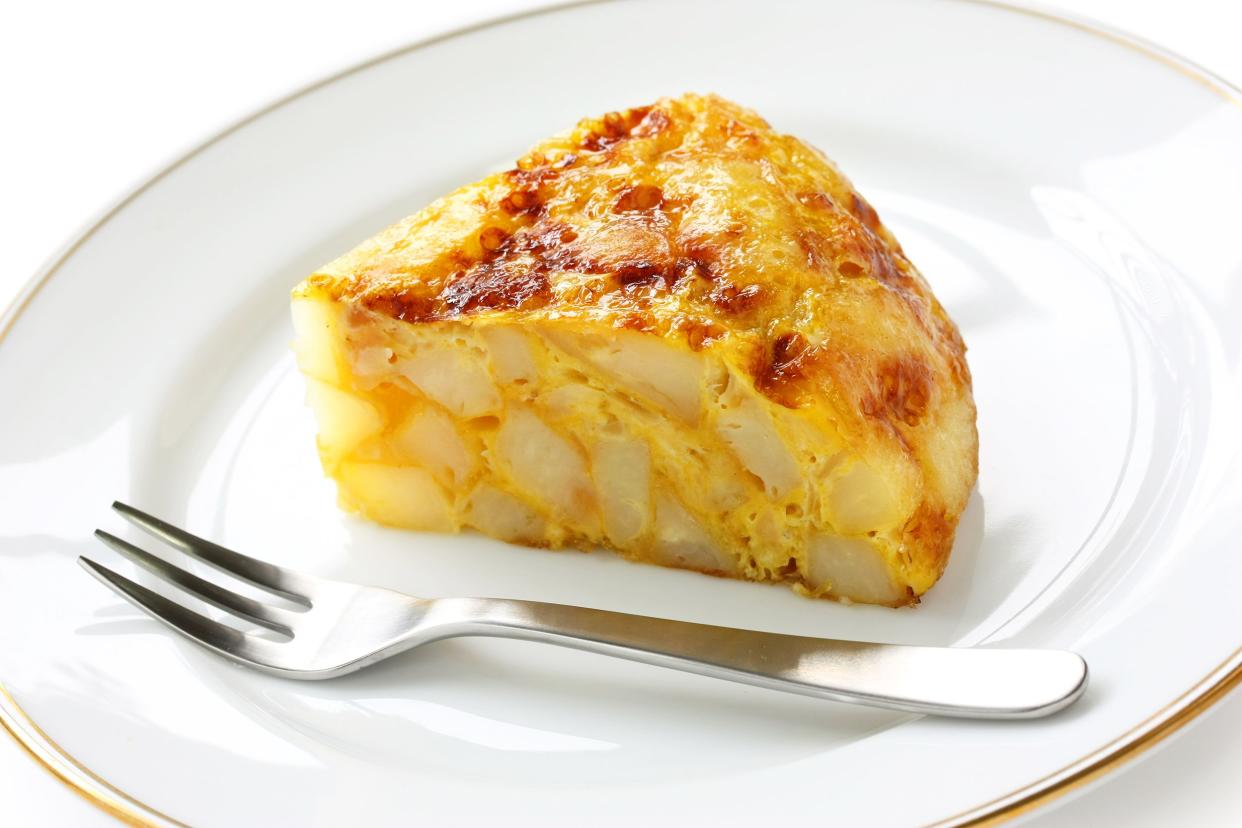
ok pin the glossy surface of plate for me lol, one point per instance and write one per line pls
(1076, 215)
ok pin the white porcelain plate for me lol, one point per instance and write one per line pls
(1072, 196)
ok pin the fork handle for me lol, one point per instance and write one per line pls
(945, 681)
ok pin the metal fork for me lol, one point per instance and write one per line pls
(339, 627)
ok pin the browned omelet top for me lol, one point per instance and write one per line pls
(692, 219)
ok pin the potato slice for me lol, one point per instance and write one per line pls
(861, 500)
(344, 419)
(622, 471)
(548, 466)
(850, 568)
(455, 377)
(680, 541)
(501, 515)
(404, 496)
(317, 325)
(749, 431)
(673, 379)
(429, 438)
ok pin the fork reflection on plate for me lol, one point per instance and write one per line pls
(337, 628)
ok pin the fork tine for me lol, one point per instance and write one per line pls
(217, 636)
(283, 582)
(273, 618)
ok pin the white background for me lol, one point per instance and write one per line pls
(96, 96)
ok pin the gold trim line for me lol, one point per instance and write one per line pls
(76, 776)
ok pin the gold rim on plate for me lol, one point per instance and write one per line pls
(1153, 730)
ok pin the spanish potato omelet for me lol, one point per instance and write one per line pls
(670, 331)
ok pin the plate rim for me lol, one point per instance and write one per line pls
(1142, 737)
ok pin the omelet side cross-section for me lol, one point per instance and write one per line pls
(670, 331)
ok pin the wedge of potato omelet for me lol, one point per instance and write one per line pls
(669, 331)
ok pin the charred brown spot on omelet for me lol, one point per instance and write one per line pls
(721, 356)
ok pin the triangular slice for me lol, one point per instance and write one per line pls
(670, 331)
